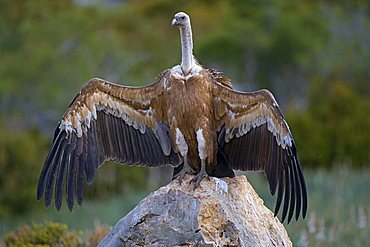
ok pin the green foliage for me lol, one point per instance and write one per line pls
(48, 234)
(20, 154)
(115, 178)
(21, 158)
(102, 211)
(95, 236)
(54, 234)
(338, 207)
(310, 54)
(268, 44)
(338, 212)
(334, 128)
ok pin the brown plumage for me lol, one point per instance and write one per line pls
(189, 118)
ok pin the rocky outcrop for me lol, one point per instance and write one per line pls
(220, 212)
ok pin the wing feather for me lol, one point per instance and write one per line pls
(61, 175)
(255, 136)
(280, 191)
(148, 148)
(80, 175)
(128, 146)
(298, 190)
(304, 191)
(92, 155)
(71, 180)
(119, 139)
(286, 193)
(47, 164)
(52, 170)
(272, 171)
(293, 190)
(135, 147)
(104, 122)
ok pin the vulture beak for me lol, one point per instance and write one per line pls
(175, 22)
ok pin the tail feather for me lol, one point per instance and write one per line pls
(222, 168)
(176, 170)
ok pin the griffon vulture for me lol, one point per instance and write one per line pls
(190, 118)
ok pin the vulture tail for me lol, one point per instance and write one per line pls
(222, 168)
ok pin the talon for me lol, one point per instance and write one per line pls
(198, 178)
(180, 176)
(195, 181)
(185, 170)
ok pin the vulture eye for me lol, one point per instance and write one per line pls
(182, 17)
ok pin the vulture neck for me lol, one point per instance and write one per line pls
(187, 59)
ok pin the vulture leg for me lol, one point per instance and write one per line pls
(185, 170)
(202, 174)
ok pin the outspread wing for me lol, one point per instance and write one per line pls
(105, 121)
(255, 136)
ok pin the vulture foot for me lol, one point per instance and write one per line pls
(195, 181)
(185, 170)
(182, 173)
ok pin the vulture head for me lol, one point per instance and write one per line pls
(181, 20)
(188, 63)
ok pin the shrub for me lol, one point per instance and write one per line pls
(334, 128)
(48, 234)
(97, 234)
(21, 154)
(54, 234)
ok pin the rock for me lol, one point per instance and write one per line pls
(219, 212)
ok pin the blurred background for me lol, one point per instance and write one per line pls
(314, 56)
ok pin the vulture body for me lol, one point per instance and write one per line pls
(189, 118)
